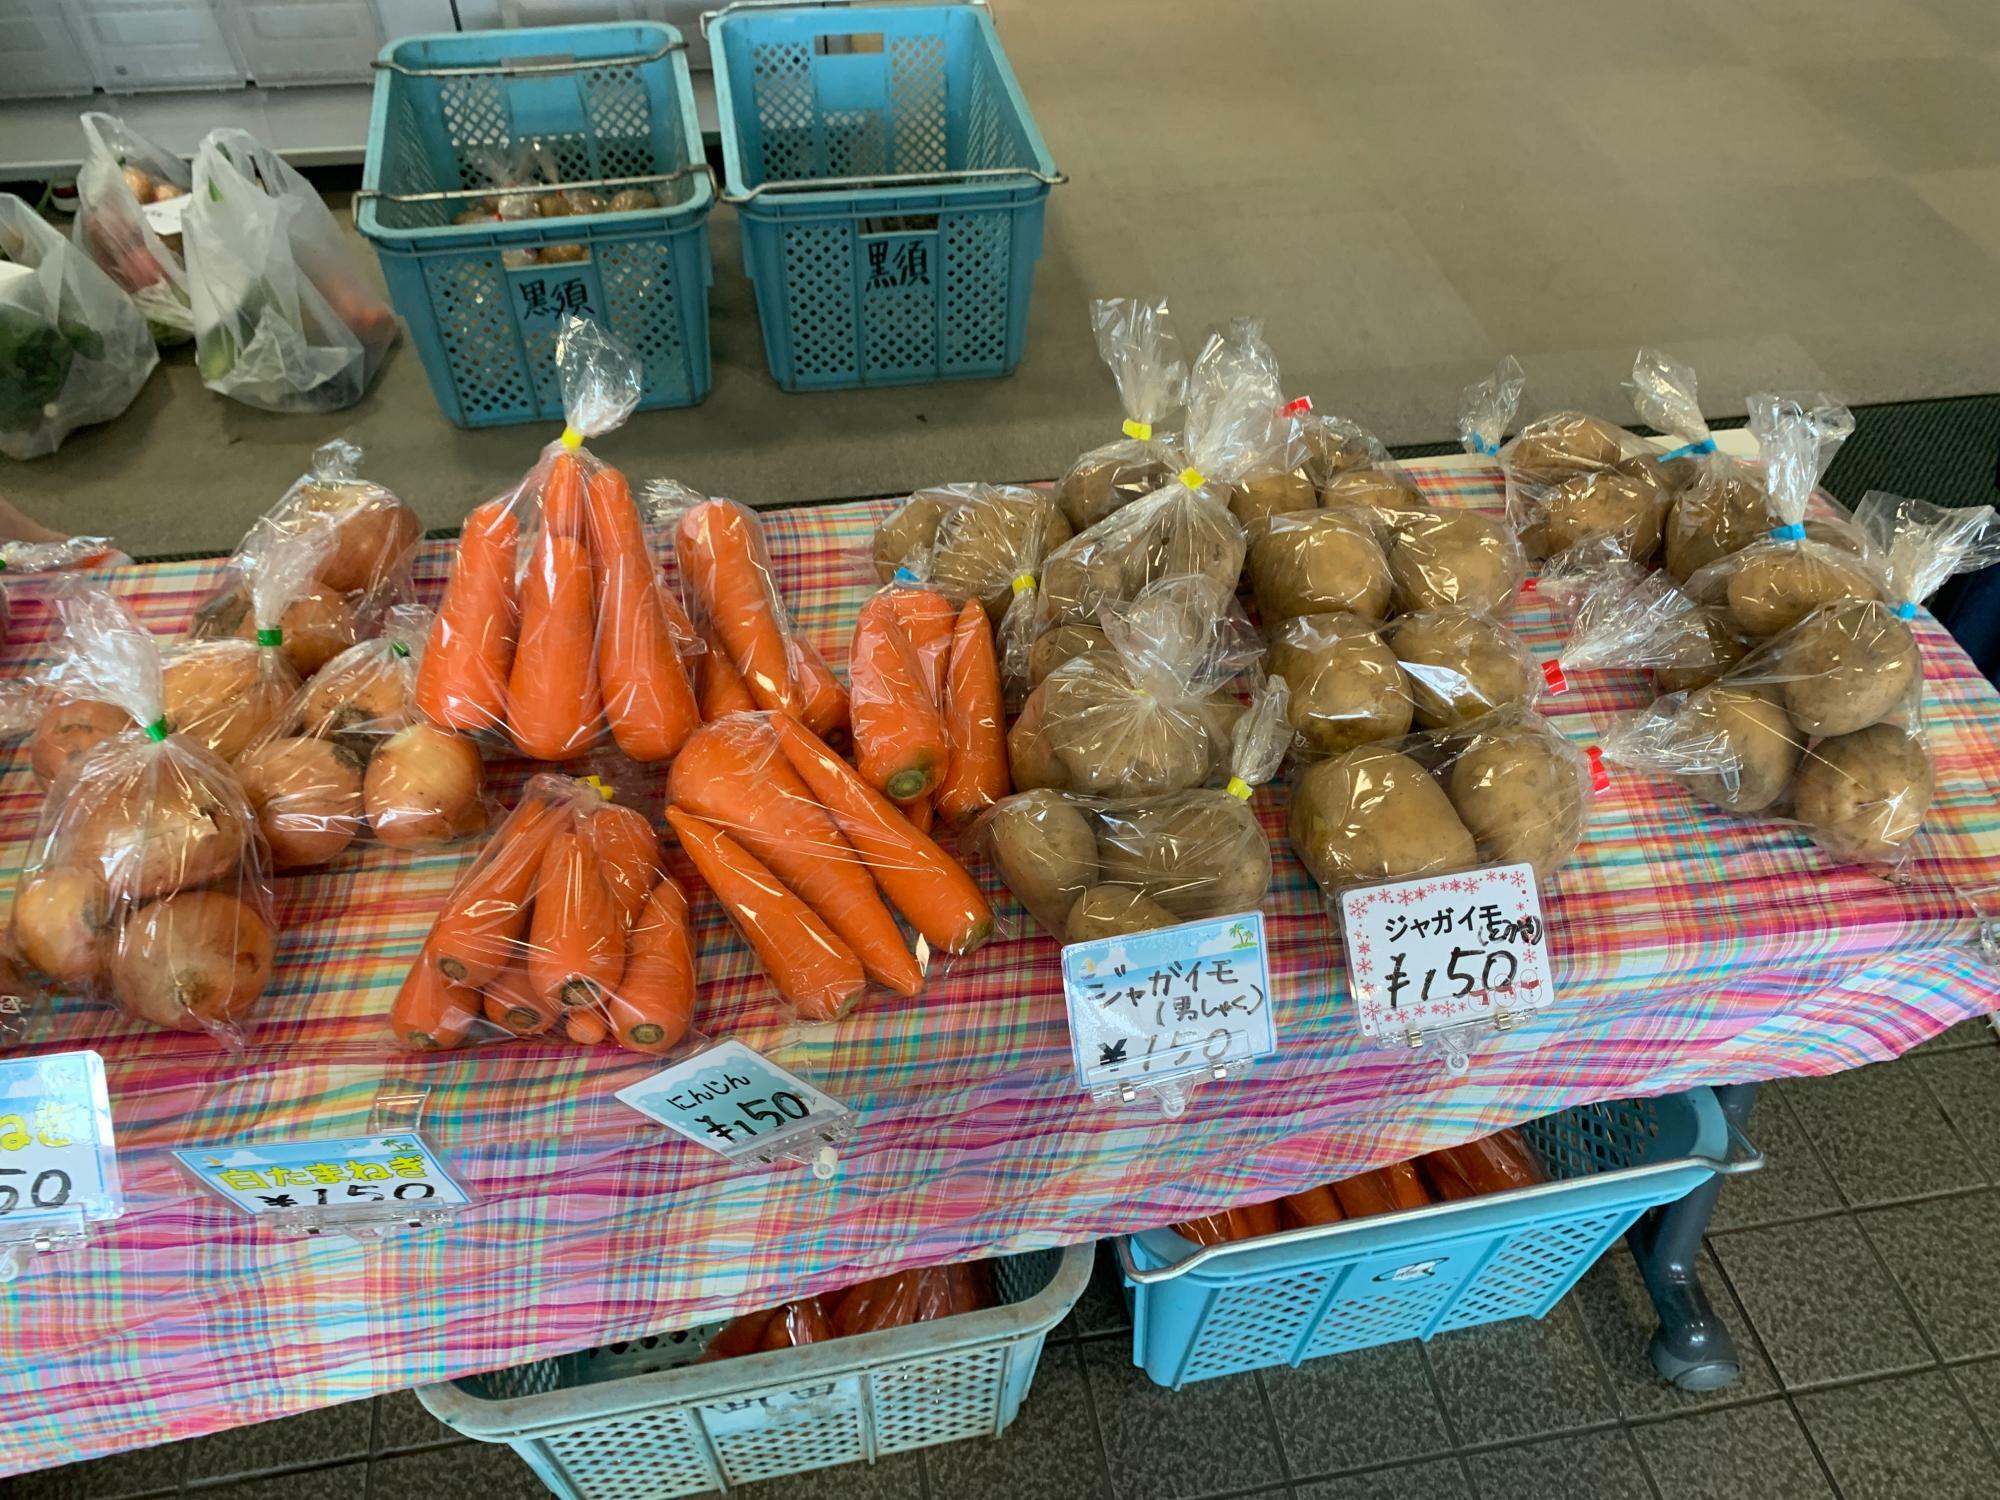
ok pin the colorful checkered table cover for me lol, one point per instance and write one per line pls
(1690, 948)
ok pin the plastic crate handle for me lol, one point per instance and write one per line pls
(889, 180)
(451, 194)
(716, 15)
(1741, 1157)
(554, 65)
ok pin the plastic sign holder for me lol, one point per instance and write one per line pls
(58, 1160)
(388, 1180)
(1446, 960)
(745, 1108)
(1157, 1013)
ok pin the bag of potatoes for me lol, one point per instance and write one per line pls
(1148, 712)
(1573, 477)
(1137, 340)
(1627, 619)
(1771, 584)
(1503, 789)
(146, 884)
(1185, 526)
(1093, 867)
(1822, 725)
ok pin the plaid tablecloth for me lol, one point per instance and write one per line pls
(1690, 948)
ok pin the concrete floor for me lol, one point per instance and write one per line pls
(1784, 192)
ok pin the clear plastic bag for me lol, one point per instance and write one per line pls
(1147, 714)
(1572, 478)
(1091, 867)
(566, 926)
(1502, 789)
(74, 348)
(348, 758)
(811, 864)
(555, 629)
(1822, 725)
(1768, 585)
(146, 884)
(906, 1297)
(364, 572)
(1317, 562)
(1461, 665)
(1444, 557)
(1137, 340)
(1344, 684)
(131, 193)
(1185, 527)
(1486, 408)
(285, 317)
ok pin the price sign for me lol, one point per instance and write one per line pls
(739, 1103)
(58, 1167)
(1446, 950)
(364, 1175)
(1171, 1003)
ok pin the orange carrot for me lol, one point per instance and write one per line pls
(1315, 1205)
(823, 707)
(899, 740)
(654, 1003)
(487, 910)
(629, 852)
(1385, 1190)
(720, 688)
(562, 497)
(678, 623)
(928, 620)
(553, 705)
(1406, 1188)
(813, 970)
(462, 680)
(647, 697)
(927, 885)
(512, 1004)
(431, 1014)
(722, 557)
(583, 1026)
(732, 774)
(975, 722)
(920, 813)
(576, 936)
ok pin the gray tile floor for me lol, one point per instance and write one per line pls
(1860, 1273)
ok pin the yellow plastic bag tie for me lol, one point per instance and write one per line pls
(1238, 788)
(1023, 582)
(571, 438)
(1141, 432)
(1193, 478)
(596, 784)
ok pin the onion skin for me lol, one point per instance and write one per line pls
(60, 924)
(307, 797)
(219, 696)
(196, 961)
(151, 834)
(69, 731)
(423, 788)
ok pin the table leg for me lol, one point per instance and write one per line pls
(1692, 1348)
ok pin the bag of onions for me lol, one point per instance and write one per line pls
(147, 882)
(349, 757)
(363, 572)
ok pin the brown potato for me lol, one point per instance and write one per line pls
(1706, 647)
(1333, 447)
(1750, 724)
(1771, 588)
(1031, 759)
(1374, 814)
(1116, 739)
(1863, 796)
(1271, 495)
(1077, 584)
(1847, 666)
(1200, 854)
(1373, 489)
(1045, 851)
(1054, 647)
(1460, 664)
(1721, 513)
(983, 545)
(1454, 557)
(1317, 562)
(1346, 688)
(1521, 795)
(1550, 449)
(908, 532)
(1112, 911)
(1108, 479)
(1624, 507)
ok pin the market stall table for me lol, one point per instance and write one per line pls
(1691, 948)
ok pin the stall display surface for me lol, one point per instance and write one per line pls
(1691, 948)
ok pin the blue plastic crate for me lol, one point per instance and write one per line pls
(891, 186)
(639, 1419)
(1288, 1298)
(611, 104)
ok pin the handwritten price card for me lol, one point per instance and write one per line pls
(1446, 950)
(738, 1102)
(1169, 1003)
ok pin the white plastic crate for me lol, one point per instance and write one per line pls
(136, 45)
(39, 58)
(323, 41)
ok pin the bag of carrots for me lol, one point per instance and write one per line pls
(1097, 867)
(926, 705)
(567, 925)
(147, 883)
(786, 1326)
(812, 864)
(554, 631)
(725, 568)
(905, 1297)
(348, 757)
(362, 572)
